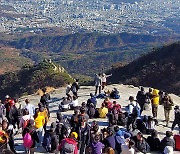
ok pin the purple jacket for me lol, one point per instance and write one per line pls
(97, 147)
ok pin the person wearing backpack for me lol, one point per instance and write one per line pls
(45, 99)
(25, 119)
(167, 102)
(50, 140)
(62, 129)
(69, 145)
(92, 100)
(30, 137)
(120, 136)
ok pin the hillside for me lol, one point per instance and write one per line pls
(87, 53)
(160, 69)
(30, 78)
(11, 60)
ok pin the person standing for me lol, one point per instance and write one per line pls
(75, 87)
(29, 107)
(83, 131)
(176, 118)
(104, 80)
(39, 121)
(45, 99)
(167, 102)
(2, 112)
(155, 102)
(98, 83)
(141, 96)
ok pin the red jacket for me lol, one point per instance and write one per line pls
(117, 107)
(70, 141)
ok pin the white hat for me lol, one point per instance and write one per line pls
(7, 96)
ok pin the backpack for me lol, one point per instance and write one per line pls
(27, 140)
(177, 142)
(68, 148)
(45, 99)
(47, 142)
(136, 111)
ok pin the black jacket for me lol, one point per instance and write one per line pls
(154, 143)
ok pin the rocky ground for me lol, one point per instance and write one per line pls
(125, 92)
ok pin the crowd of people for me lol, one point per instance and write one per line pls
(125, 133)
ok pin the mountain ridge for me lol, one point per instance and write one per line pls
(159, 68)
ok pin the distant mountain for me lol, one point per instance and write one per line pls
(87, 53)
(30, 78)
(158, 69)
(84, 42)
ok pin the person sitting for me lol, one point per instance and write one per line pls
(108, 103)
(74, 119)
(140, 143)
(83, 105)
(116, 107)
(150, 125)
(127, 148)
(91, 111)
(103, 111)
(64, 106)
(115, 94)
(167, 141)
(83, 114)
(120, 136)
(109, 141)
(74, 102)
(92, 100)
(154, 141)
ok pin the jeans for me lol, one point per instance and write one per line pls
(98, 87)
(40, 134)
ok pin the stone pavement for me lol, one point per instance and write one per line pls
(125, 92)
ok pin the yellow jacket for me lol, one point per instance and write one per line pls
(3, 136)
(39, 121)
(44, 114)
(102, 112)
(155, 99)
